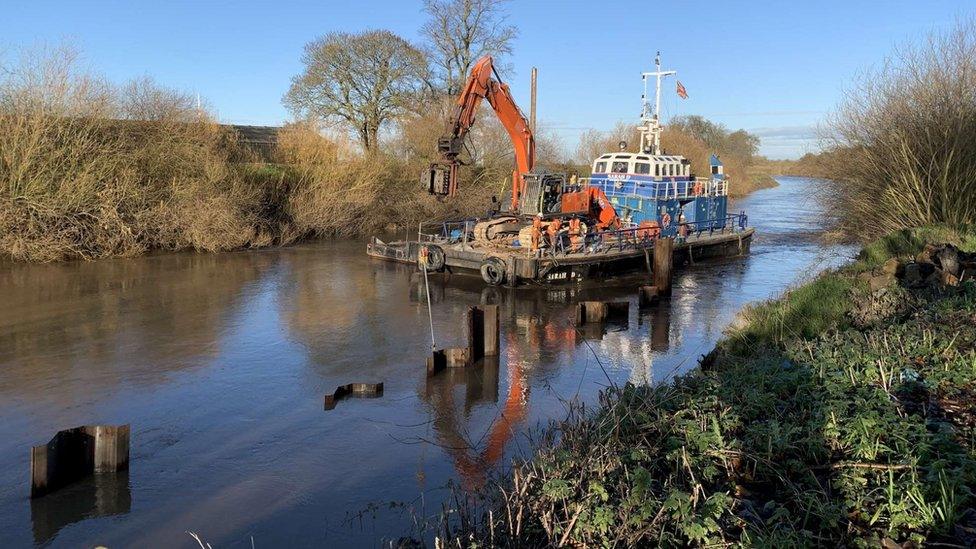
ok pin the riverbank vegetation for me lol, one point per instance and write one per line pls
(88, 169)
(901, 150)
(839, 414)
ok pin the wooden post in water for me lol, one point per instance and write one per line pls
(76, 453)
(663, 259)
(646, 296)
(111, 447)
(363, 390)
(458, 357)
(436, 362)
(588, 312)
(476, 333)
(483, 331)
(492, 330)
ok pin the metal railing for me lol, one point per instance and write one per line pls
(626, 238)
(636, 238)
(654, 189)
(445, 232)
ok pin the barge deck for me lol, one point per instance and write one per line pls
(515, 266)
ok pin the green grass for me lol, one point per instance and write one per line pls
(802, 312)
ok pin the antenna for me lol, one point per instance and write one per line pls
(650, 127)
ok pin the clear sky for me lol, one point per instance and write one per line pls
(774, 68)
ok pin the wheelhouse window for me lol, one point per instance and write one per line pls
(642, 168)
(657, 170)
(619, 167)
(671, 170)
(601, 167)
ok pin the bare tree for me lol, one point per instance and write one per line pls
(459, 32)
(363, 80)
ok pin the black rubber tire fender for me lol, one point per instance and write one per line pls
(493, 271)
(435, 257)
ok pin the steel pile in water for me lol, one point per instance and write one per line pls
(357, 390)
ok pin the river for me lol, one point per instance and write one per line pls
(220, 363)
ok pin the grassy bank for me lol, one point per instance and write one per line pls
(761, 175)
(90, 170)
(838, 414)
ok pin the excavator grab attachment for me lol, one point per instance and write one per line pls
(440, 179)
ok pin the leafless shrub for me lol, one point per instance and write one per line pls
(88, 170)
(332, 187)
(906, 140)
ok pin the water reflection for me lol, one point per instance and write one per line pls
(60, 320)
(102, 495)
(479, 386)
(658, 315)
(538, 340)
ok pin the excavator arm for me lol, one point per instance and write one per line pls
(483, 83)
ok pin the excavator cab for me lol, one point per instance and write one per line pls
(542, 193)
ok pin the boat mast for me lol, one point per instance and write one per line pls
(650, 128)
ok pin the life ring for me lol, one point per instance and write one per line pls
(699, 188)
(666, 220)
(493, 271)
(431, 257)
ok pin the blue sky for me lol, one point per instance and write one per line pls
(772, 67)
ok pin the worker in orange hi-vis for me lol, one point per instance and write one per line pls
(683, 227)
(536, 232)
(575, 234)
(553, 232)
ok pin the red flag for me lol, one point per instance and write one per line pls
(682, 92)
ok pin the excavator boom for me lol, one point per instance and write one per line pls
(483, 84)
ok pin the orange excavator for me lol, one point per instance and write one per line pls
(442, 176)
(531, 193)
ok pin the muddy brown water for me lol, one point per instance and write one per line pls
(220, 364)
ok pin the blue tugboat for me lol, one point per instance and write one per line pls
(658, 190)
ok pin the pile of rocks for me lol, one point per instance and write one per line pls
(943, 265)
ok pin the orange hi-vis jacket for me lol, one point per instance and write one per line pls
(536, 232)
(574, 227)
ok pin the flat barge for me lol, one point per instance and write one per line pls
(606, 254)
